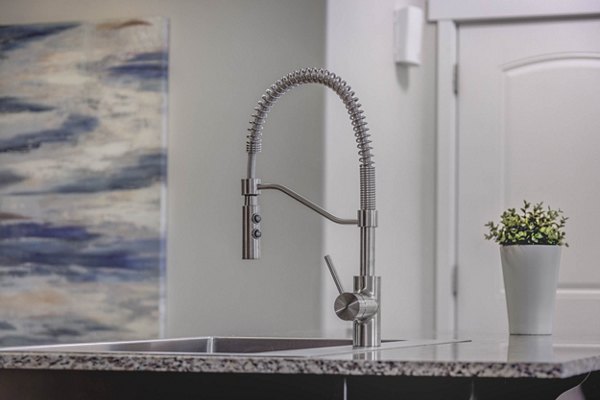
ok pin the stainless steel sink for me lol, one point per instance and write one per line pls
(203, 345)
(237, 346)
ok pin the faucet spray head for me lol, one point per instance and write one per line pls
(251, 218)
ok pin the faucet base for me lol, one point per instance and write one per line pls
(367, 333)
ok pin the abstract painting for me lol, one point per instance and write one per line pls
(82, 180)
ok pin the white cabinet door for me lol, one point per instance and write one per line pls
(529, 128)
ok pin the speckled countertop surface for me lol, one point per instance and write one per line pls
(503, 357)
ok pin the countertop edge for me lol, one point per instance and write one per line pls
(287, 365)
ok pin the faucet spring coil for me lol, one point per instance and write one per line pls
(353, 107)
(312, 75)
(367, 188)
(254, 147)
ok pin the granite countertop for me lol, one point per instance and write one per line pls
(501, 357)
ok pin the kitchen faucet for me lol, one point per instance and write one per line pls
(363, 304)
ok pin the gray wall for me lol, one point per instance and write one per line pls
(224, 54)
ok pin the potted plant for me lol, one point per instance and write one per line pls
(530, 249)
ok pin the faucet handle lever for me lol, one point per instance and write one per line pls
(334, 274)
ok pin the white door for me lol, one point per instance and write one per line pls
(529, 128)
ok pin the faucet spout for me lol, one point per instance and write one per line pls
(303, 200)
(364, 302)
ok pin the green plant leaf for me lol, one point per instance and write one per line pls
(532, 226)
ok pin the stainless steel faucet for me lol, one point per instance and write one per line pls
(363, 304)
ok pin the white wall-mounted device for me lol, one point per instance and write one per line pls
(408, 35)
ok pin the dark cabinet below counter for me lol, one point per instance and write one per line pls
(24, 384)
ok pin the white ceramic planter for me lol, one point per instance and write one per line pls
(524, 348)
(530, 278)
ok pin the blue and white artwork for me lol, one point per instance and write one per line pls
(82, 180)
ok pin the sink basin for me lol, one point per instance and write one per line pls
(203, 345)
(237, 346)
